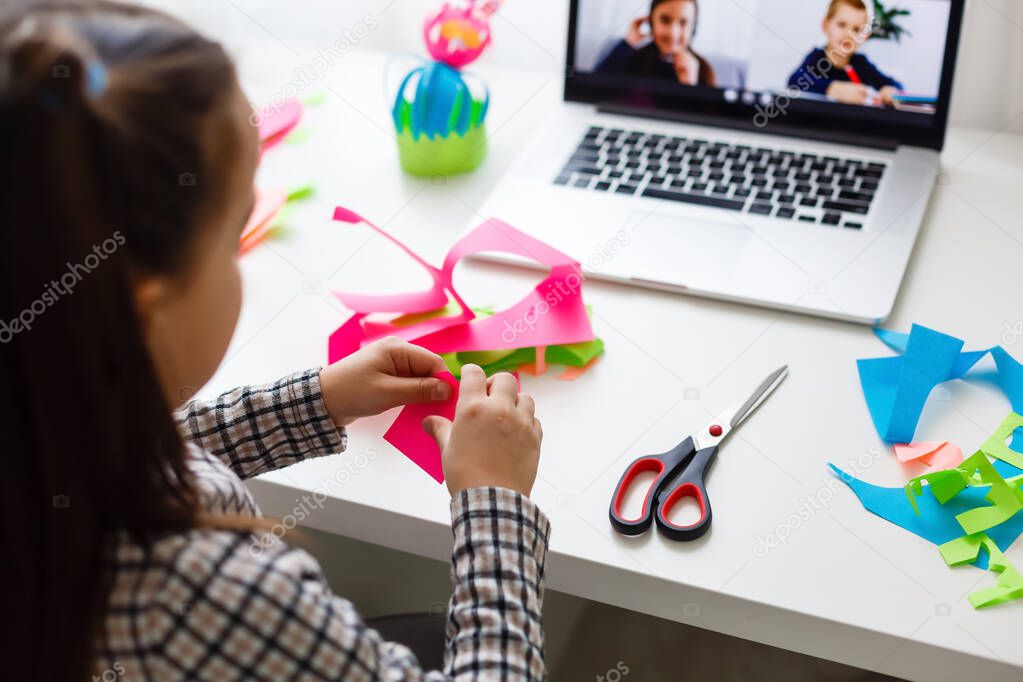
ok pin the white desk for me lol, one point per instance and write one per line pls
(845, 586)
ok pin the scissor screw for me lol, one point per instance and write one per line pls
(715, 430)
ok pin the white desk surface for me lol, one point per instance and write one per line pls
(845, 585)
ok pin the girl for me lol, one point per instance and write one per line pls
(127, 171)
(668, 55)
(837, 70)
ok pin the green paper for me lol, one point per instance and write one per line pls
(299, 135)
(964, 550)
(944, 485)
(301, 192)
(574, 354)
(1002, 497)
(1009, 585)
(448, 155)
(995, 445)
(315, 99)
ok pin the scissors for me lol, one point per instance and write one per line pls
(680, 471)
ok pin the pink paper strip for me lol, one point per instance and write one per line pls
(268, 204)
(908, 452)
(276, 122)
(946, 457)
(553, 313)
(406, 433)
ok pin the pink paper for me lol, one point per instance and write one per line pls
(908, 452)
(406, 433)
(946, 457)
(552, 314)
(268, 204)
(935, 454)
(276, 122)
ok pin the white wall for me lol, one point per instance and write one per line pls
(988, 90)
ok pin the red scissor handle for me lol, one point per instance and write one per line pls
(688, 483)
(665, 467)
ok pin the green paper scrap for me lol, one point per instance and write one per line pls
(996, 446)
(574, 354)
(277, 232)
(975, 471)
(966, 549)
(315, 99)
(299, 135)
(944, 485)
(1006, 500)
(300, 192)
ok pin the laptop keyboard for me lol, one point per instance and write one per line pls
(800, 186)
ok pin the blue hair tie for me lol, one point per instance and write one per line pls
(95, 78)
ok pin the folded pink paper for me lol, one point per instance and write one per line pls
(276, 122)
(935, 454)
(406, 433)
(551, 314)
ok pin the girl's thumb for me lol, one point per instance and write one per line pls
(419, 390)
(439, 428)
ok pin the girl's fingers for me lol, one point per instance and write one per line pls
(439, 428)
(405, 390)
(415, 361)
(504, 387)
(527, 405)
(474, 383)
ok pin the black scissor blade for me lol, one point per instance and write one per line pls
(758, 396)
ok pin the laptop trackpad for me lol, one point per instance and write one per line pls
(691, 252)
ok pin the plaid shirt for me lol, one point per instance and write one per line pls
(212, 604)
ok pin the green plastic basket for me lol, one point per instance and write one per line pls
(449, 155)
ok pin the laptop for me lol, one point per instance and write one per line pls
(779, 153)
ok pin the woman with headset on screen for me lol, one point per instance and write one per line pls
(668, 55)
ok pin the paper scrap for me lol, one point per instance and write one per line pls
(935, 522)
(896, 388)
(551, 314)
(268, 204)
(276, 122)
(407, 435)
(967, 549)
(935, 454)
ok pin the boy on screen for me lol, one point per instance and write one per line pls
(837, 70)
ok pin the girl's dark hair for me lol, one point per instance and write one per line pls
(707, 75)
(107, 169)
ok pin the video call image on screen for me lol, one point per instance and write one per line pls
(843, 51)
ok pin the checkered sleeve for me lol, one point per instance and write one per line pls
(494, 629)
(231, 605)
(255, 429)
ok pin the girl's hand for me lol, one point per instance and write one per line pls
(848, 93)
(635, 35)
(494, 440)
(687, 68)
(385, 374)
(886, 95)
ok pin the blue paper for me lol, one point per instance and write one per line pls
(936, 522)
(896, 388)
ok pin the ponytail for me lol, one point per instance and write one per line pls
(103, 107)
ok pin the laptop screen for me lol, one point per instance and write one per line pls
(871, 66)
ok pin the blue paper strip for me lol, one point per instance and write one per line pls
(936, 522)
(896, 388)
